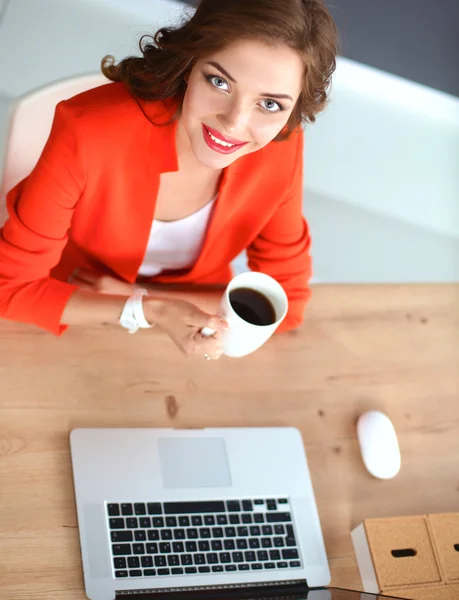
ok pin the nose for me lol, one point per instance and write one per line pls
(235, 119)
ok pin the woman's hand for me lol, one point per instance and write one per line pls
(183, 322)
(180, 319)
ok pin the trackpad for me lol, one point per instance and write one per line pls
(194, 462)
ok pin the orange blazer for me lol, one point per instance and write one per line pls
(90, 202)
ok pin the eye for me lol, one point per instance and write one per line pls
(217, 82)
(271, 105)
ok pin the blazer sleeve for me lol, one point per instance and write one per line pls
(282, 248)
(40, 210)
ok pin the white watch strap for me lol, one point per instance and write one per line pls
(132, 317)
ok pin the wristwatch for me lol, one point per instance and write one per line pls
(132, 318)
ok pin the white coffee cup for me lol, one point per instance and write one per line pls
(242, 338)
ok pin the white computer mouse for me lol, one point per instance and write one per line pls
(378, 444)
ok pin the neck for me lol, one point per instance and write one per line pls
(185, 155)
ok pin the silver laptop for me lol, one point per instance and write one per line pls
(168, 510)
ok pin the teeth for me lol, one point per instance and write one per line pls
(221, 142)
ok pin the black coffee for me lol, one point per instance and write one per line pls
(252, 306)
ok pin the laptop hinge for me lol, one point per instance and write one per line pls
(285, 590)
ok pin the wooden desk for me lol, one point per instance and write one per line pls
(394, 348)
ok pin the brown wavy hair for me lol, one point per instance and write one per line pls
(168, 56)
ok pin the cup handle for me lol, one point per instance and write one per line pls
(207, 331)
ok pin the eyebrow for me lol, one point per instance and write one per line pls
(226, 74)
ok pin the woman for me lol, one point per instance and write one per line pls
(161, 178)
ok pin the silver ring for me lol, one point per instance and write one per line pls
(206, 356)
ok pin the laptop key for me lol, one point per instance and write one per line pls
(177, 571)
(217, 568)
(186, 559)
(154, 508)
(269, 565)
(266, 543)
(267, 530)
(192, 534)
(258, 518)
(138, 548)
(204, 533)
(255, 530)
(282, 501)
(246, 518)
(191, 570)
(185, 508)
(230, 532)
(274, 555)
(280, 530)
(212, 558)
(178, 547)
(135, 573)
(121, 573)
(256, 566)
(184, 521)
(271, 504)
(295, 563)
(158, 522)
(247, 505)
(165, 548)
(233, 506)
(209, 520)
(217, 532)
(121, 549)
(242, 544)
(133, 562)
(282, 564)
(199, 559)
(250, 556)
(234, 519)
(279, 542)
(229, 545)
(145, 522)
(191, 547)
(160, 561)
(196, 521)
(222, 520)
(258, 501)
(166, 534)
(164, 572)
(278, 517)
(243, 567)
(140, 508)
(126, 509)
(290, 554)
(119, 562)
(238, 557)
(243, 531)
(204, 569)
(149, 572)
(152, 548)
(147, 561)
(290, 541)
(262, 555)
(179, 534)
(153, 535)
(171, 522)
(132, 523)
(225, 557)
(121, 536)
(204, 546)
(113, 510)
(173, 560)
(116, 523)
(254, 543)
(140, 535)
(217, 545)
(230, 568)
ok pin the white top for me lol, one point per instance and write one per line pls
(175, 245)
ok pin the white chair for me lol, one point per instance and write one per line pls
(30, 125)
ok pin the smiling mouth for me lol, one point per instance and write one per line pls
(220, 143)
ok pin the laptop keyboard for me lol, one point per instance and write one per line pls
(154, 539)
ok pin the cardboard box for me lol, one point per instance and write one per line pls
(444, 530)
(433, 592)
(395, 552)
(454, 591)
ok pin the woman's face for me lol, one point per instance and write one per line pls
(239, 99)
